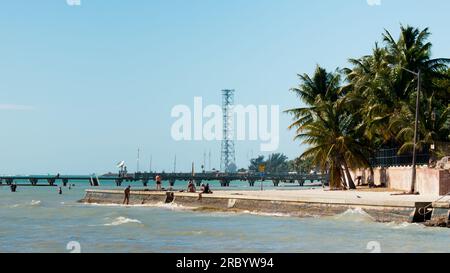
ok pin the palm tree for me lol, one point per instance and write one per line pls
(375, 109)
(413, 51)
(327, 127)
(433, 129)
(371, 100)
(300, 165)
(331, 137)
(387, 96)
(369, 94)
(323, 86)
(255, 163)
(277, 163)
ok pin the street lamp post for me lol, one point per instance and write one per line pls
(416, 135)
(416, 125)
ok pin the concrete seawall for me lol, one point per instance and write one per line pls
(306, 205)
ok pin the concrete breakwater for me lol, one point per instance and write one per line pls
(298, 204)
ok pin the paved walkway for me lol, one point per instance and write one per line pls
(333, 197)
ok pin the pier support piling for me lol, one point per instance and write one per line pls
(251, 183)
(224, 183)
(51, 181)
(119, 182)
(172, 182)
(145, 182)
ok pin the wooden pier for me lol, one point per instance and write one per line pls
(144, 178)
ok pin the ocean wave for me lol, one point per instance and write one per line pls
(193, 233)
(405, 225)
(100, 205)
(123, 220)
(223, 213)
(171, 206)
(354, 215)
(33, 203)
(267, 214)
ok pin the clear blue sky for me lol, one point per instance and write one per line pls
(81, 87)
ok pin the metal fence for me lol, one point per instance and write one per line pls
(391, 158)
(443, 147)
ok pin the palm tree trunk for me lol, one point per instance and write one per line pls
(336, 177)
(351, 184)
(371, 178)
(342, 179)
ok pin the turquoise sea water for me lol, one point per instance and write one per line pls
(41, 220)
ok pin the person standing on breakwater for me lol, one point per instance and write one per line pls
(158, 183)
(127, 192)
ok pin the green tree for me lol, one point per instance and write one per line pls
(277, 163)
(328, 127)
(334, 143)
(323, 86)
(301, 165)
(386, 95)
(375, 107)
(255, 162)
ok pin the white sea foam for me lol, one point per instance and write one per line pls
(226, 213)
(123, 220)
(268, 214)
(404, 225)
(33, 203)
(355, 215)
(100, 205)
(171, 206)
(177, 207)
